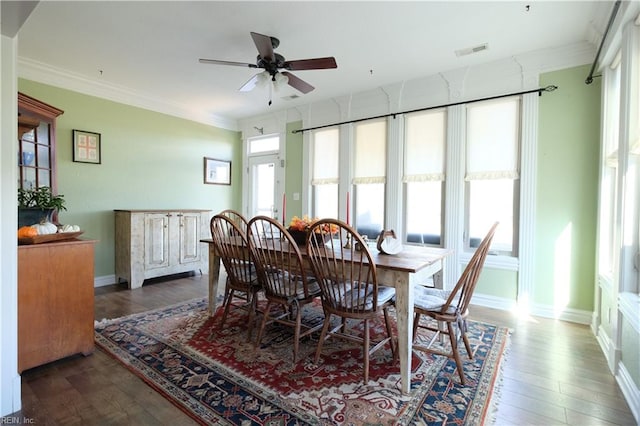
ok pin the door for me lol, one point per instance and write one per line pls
(263, 183)
(189, 237)
(156, 240)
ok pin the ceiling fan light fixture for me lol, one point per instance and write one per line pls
(280, 80)
(263, 79)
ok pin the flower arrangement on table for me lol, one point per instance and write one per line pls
(299, 228)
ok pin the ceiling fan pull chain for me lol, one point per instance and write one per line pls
(270, 90)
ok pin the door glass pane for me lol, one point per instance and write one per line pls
(43, 156)
(44, 178)
(28, 154)
(28, 177)
(263, 179)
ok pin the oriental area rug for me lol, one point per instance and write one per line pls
(218, 377)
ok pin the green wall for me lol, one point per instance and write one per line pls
(567, 190)
(293, 180)
(498, 283)
(149, 161)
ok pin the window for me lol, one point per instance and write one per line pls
(370, 145)
(324, 180)
(492, 177)
(609, 185)
(424, 158)
(264, 144)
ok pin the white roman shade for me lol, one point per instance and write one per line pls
(325, 156)
(425, 146)
(370, 152)
(493, 135)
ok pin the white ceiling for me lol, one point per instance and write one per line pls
(149, 51)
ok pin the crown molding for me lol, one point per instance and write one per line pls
(557, 58)
(57, 77)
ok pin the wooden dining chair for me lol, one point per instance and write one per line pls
(450, 307)
(349, 285)
(236, 217)
(241, 222)
(284, 280)
(230, 242)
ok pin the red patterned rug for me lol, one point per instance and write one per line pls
(217, 377)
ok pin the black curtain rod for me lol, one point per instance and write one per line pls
(550, 88)
(614, 12)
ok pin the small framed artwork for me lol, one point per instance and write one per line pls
(86, 147)
(217, 172)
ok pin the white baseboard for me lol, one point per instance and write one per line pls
(545, 311)
(630, 390)
(607, 348)
(493, 302)
(567, 314)
(104, 280)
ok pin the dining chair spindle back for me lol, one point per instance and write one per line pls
(451, 307)
(348, 281)
(230, 241)
(237, 218)
(284, 280)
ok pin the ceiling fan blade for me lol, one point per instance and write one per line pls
(311, 64)
(217, 62)
(298, 83)
(264, 46)
(250, 84)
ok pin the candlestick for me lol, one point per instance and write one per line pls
(347, 207)
(284, 209)
(347, 245)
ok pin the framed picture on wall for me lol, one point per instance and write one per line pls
(86, 147)
(217, 172)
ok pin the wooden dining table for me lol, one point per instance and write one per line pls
(413, 266)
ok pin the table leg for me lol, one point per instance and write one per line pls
(404, 312)
(438, 281)
(214, 275)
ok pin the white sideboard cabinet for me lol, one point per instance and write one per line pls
(153, 243)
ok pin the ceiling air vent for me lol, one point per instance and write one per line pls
(290, 98)
(470, 50)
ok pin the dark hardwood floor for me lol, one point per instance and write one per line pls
(554, 372)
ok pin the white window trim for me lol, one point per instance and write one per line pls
(454, 189)
(280, 152)
(454, 199)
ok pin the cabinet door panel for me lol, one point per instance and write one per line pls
(190, 237)
(156, 241)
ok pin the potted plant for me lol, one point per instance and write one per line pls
(37, 205)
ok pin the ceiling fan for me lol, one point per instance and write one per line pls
(272, 63)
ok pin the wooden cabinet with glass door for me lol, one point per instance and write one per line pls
(36, 143)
